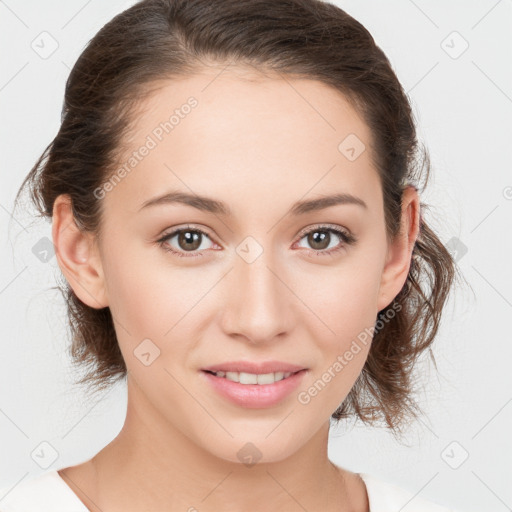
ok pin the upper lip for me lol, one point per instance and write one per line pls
(253, 367)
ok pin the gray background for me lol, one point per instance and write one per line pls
(460, 454)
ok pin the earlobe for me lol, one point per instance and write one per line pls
(77, 255)
(398, 260)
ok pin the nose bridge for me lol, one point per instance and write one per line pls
(259, 303)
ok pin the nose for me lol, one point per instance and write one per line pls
(259, 304)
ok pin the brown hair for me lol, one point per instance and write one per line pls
(156, 40)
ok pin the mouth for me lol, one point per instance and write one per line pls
(254, 390)
(261, 379)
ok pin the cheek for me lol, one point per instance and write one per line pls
(155, 300)
(343, 299)
(142, 292)
(345, 303)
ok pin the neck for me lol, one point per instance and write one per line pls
(152, 465)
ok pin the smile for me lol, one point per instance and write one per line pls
(253, 378)
(254, 390)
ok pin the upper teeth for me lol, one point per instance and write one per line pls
(253, 378)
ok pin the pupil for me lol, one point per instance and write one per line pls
(189, 239)
(318, 238)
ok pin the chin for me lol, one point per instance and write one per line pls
(260, 448)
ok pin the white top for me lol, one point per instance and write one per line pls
(49, 492)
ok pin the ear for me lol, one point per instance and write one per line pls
(77, 255)
(398, 259)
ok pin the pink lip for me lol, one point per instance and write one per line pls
(257, 368)
(255, 396)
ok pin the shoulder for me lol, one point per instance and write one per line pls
(385, 496)
(44, 493)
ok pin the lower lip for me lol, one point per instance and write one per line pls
(255, 396)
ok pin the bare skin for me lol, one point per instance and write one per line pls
(334, 489)
(258, 145)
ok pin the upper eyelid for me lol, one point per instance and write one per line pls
(325, 226)
(175, 231)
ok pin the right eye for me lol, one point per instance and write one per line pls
(188, 239)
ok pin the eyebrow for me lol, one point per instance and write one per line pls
(210, 205)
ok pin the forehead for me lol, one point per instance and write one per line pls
(237, 135)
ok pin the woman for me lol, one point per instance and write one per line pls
(275, 140)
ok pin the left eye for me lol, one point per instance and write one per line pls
(317, 238)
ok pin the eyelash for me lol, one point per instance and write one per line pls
(346, 237)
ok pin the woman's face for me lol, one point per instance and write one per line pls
(269, 281)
